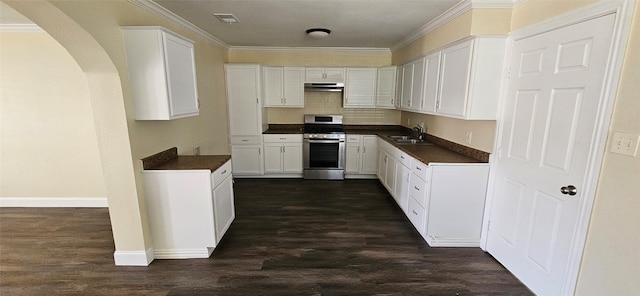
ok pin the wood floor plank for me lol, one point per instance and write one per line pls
(290, 237)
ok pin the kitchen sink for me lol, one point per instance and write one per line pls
(408, 140)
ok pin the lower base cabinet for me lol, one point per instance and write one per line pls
(443, 201)
(189, 211)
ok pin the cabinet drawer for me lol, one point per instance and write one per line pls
(420, 169)
(418, 190)
(246, 140)
(416, 215)
(354, 138)
(220, 174)
(283, 138)
(402, 157)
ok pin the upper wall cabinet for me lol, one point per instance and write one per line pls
(316, 74)
(412, 85)
(162, 73)
(283, 86)
(386, 87)
(360, 88)
(470, 78)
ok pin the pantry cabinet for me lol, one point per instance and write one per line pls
(189, 211)
(162, 73)
(283, 86)
(386, 87)
(361, 156)
(360, 88)
(283, 154)
(319, 74)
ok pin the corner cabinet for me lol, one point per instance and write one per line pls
(283, 86)
(189, 210)
(471, 73)
(360, 88)
(162, 73)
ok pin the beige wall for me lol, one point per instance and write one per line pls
(320, 102)
(611, 262)
(48, 139)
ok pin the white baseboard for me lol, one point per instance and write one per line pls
(183, 253)
(54, 202)
(133, 258)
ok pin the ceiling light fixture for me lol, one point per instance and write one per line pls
(318, 33)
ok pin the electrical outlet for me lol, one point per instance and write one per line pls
(196, 150)
(468, 137)
(624, 143)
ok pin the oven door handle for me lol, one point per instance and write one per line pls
(324, 141)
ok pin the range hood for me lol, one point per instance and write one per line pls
(324, 86)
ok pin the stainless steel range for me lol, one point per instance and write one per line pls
(323, 147)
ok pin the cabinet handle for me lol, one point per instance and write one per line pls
(401, 156)
(364, 149)
(416, 188)
(414, 212)
(358, 149)
(245, 140)
(257, 101)
(223, 172)
(259, 151)
(418, 168)
(284, 149)
(282, 138)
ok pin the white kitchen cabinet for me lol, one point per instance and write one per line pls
(247, 119)
(470, 78)
(283, 86)
(386, 165)
(386, 87)
(283, 154)
(246, 112)
(361, 156)
(401, 190)
(319, 74)
(431, 79)
(162, 73)
(360, 88)
(449, 201)
(399, 87)
(247, 156)
(412, 85)
(189, 211)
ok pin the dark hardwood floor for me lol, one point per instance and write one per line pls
(290, 237)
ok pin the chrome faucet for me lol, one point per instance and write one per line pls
(420, 131)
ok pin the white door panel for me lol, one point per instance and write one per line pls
(550, 113)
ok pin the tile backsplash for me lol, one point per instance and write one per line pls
(331, 103)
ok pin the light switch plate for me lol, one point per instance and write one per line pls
(625, 143)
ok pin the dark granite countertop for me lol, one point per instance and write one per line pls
(170, 160)
(442, 151)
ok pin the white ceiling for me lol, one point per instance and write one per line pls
(282, 23)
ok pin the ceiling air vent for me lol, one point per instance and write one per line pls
(226, 18)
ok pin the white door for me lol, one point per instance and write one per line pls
(548, 124)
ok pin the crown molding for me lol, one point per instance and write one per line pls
(454, 12)
(20, 28)
(362, 50)
(154, 8)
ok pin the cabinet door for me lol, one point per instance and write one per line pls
(273, 78)
(401, 190)
(243, 93)
(292, 158)
(390, 175)
(369, 155)
(223, 207)
(247, 159)
(382, 166)
(314, 75)
(181, 76)
(293, 87)
(417, 85)
(399, 84)
(454, 79)
(386, 87)
(360, 87)
(352, 158)
(273, 157)
(431, 78)
(407, 86)
(334, 74)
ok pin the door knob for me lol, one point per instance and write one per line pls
(571, 190)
